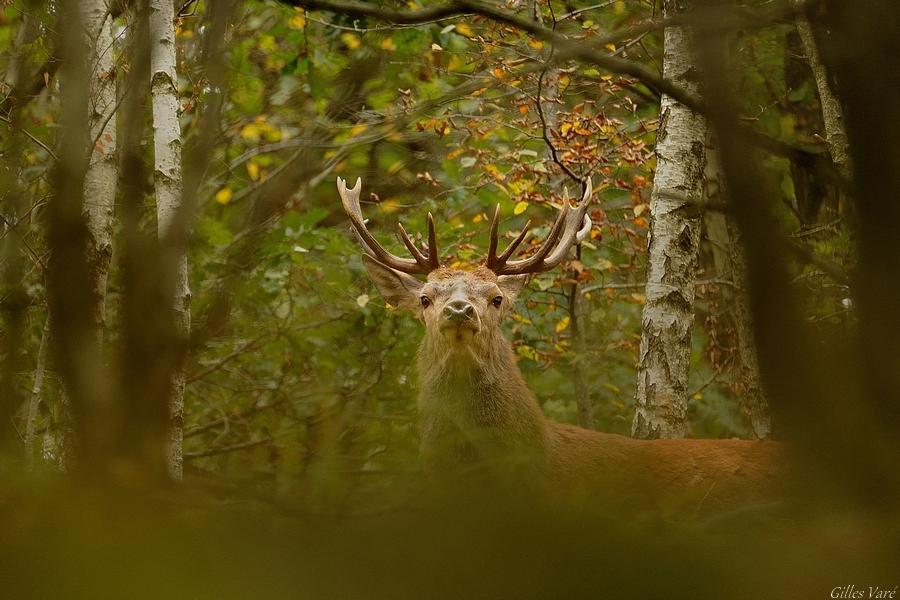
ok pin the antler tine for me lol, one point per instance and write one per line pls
(515, 243)
(492, 245)
(495, 262)
(570, 228)
(418, 264)
(433, 260)
(417, 254)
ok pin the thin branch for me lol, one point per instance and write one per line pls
(806, 254)
(566, 48)
(226, 359)
(32, 251)
(545, 132)
(256, 408)
(227, 449)
(32, 138)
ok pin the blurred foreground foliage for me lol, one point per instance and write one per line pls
(300, 418)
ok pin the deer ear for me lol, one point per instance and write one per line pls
(511, 285)
(397, 288)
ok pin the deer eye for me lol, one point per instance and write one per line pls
(426, 301)
(497, 301)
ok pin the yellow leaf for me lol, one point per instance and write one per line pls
(456, 63)
(223, 196)
(463, 29)
(395, 167)
(478, 218)
(527, 352)
(564, 80)
(520, 207)
(267, 43)
(610, 47)
(565, 128)
(641, 209)
(536, 44)
(494, 171)
(298, 21)
(604, 264)
(250, 132)
(351, 40)
(387, 44)
(358, 129)
(388, 206)
(562, 325)
(253, 170)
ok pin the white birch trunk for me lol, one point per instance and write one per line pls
(102, 171)
(832, 113)
(168, 186)
(665, 354)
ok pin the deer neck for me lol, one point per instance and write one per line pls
(473, 399)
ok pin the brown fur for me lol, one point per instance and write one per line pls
(474, 407)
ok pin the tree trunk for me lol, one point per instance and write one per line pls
(35, 400)
(665, 354)
(102, 172)
(832, 113)
(731, 265)
(547, 97)
(168, 184)
(579, 347)
(13, 297)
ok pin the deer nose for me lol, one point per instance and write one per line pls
(458, 310)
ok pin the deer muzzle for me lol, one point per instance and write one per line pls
(458, 311)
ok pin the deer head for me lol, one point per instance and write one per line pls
(462, 310)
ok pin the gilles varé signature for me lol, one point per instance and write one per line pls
(870, 591)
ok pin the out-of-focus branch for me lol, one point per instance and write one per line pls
(29, 87)
(227, 449)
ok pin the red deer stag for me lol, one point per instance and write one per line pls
(475, 408)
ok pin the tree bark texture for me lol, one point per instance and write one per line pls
(102, 172)
(167, 179)
(34, 401)
(832, 113)
(731, 265)
(579, 346)
(665, 353)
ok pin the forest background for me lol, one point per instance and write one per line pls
(281, 374)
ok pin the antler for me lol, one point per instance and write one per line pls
(571, 227)
(419, 263)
